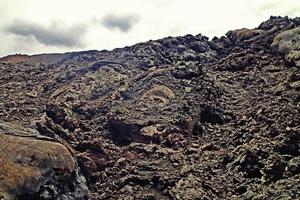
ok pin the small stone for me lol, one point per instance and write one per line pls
(271, 68)
(295, 85)
(188, 89)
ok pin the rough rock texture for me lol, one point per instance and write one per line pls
(287, 41)
(176, 118)
(37, 167)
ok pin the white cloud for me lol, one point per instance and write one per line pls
(157, 18)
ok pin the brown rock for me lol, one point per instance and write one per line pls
(158, 94)
(27, 163)
(152, 130)
(242, 34)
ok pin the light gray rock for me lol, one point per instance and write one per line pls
(287, 41)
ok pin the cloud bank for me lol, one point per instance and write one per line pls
(54, 35)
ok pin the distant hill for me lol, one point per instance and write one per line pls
(33, 59)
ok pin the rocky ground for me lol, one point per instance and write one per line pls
(176, 118)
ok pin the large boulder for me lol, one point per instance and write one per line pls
(287, 41)
(34, 167)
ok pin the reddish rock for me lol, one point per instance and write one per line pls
(27, 163)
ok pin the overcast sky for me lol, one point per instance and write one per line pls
(39, 26)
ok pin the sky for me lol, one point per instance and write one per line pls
(44, 26)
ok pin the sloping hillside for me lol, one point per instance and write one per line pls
(176, 118)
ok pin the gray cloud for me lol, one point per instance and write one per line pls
(54, 35)
(122, 22)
